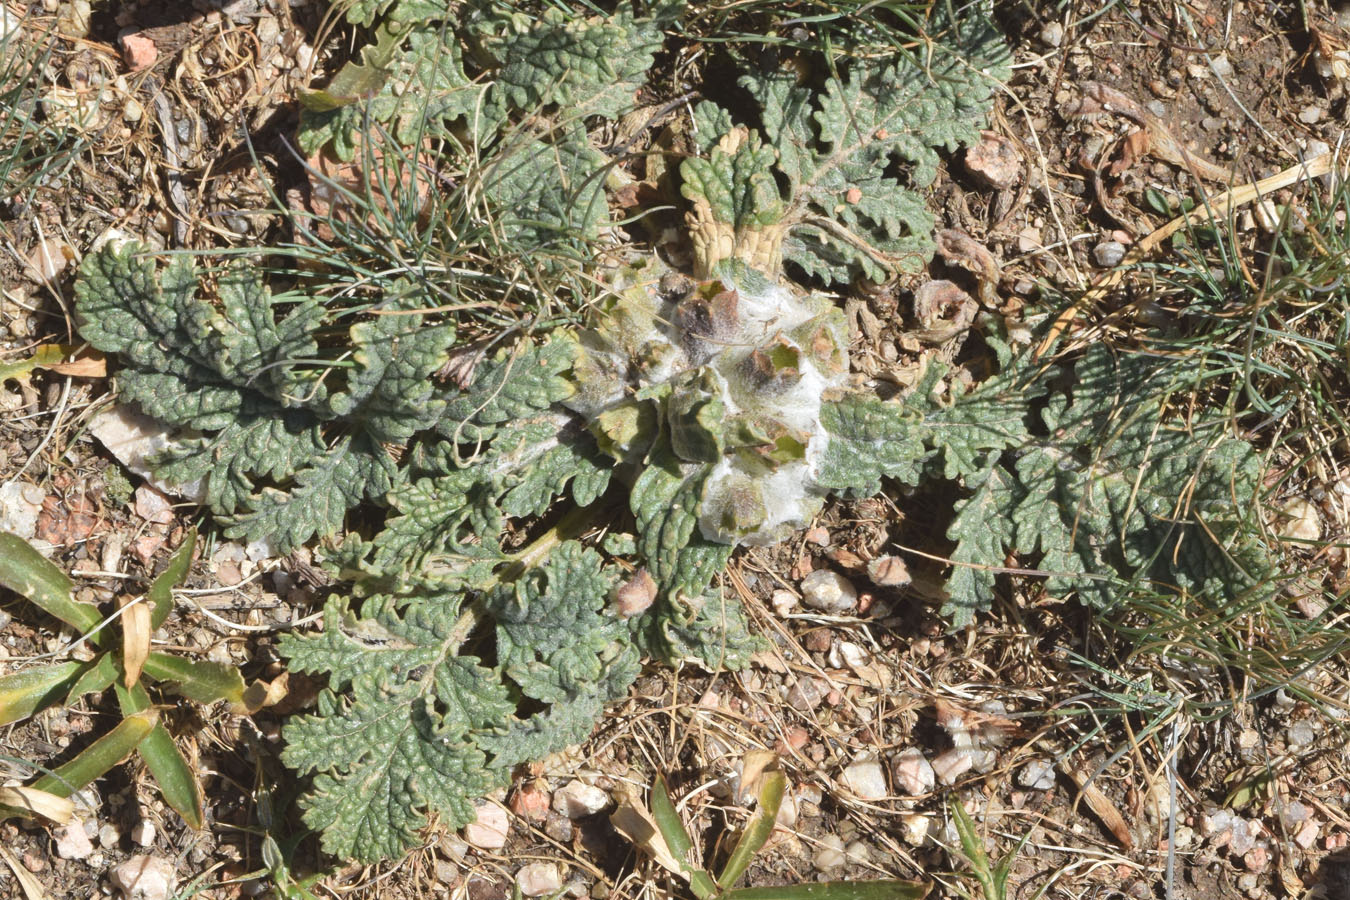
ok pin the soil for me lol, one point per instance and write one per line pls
(1236, 85)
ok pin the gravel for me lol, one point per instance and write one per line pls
(1108, 253)
(865, 779)
(828, 592)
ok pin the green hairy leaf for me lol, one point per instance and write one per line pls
(290, 441)
(415, 723)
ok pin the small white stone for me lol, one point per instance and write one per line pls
(539, 878)
(143, 832)
(304, 56)
(1300, 735)
(576, 800)
(1310, 114)
(952, 765)
(857, 853)
(9, 24)
(109, 836)
(134, 439)
(1298, 520)
(1108, 253)
(914, 773)
(1038, 775)
(489, 830)
(18, 511)
(914, 829)
(865, 779)
(72, 842)
(830, 854)
(1052, 35)
(783, 602)
(829, 592)
(144, 878)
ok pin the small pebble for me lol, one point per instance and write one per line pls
(857, 853)
(558, 827)
(914, 829)
(1242, 839)
(1108, 253)
(576, 800)
(830, 854)
(108, 836)
(1310, 114)
(806, 693)
(994, 161)
(782, 602)
(1038, 775)
(447, 873)
(1299, 521)
(829, 592)
(1052, 35)
(489, 830)
(530, 802)
(866, 780)
(144, 878)
(539, 878)
(72, 842)
(1300, 734)
(914, 774)
(952, 765)
(138, 51)
(1220, 66)
(888, 571)
(143, 833)
(1294, 814)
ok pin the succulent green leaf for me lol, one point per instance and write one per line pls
(178, 782)
(30, 575)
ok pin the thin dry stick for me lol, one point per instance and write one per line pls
(1219, 206)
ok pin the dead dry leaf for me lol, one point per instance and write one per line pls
(135, 640)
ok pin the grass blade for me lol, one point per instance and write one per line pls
(24, 693)
(177, 781)
(160, 595)
(99, 757)
(197, 679)
(758, 830)
(25, 571)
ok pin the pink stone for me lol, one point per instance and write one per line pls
(138, 51)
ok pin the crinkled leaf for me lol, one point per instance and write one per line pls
(398, 744)
(870, 439)
(983, 530)
(587, 67)
(350, 471)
